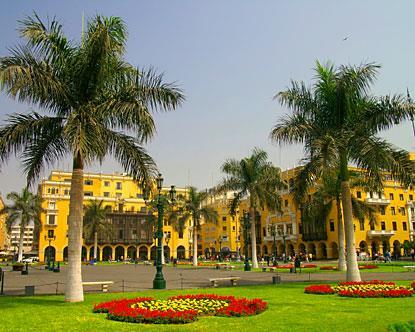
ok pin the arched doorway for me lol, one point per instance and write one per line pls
(363, 247)
(65, 254)
(91, 253)
(84, 253)
(291, 250)
(386, 246)
(50, 254)
(107, 253)
(323, 250)
(301, 248)
(132, 253)
(142, 253)
(181, 252)
(166, 251)
(396, 249)
(119, 253)
(153, 253)
(334, 250)
(312, 249)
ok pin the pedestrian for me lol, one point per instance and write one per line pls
(310, 257)
(413, 253)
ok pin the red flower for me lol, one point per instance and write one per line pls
(319, 289)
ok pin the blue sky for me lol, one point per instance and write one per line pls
(231, 58)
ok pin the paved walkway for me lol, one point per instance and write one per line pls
(138, 277)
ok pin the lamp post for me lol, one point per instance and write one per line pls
(159, 282)
(274, 234)
(247, 226)
(282, 233)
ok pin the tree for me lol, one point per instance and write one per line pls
(327, 196)
(192, 207)
(95, 98)
(95, 222)
(258, 180)
(337, 120)
(25, 208)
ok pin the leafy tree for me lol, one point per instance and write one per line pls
(337, 120)
(94, 100)
(25, 208)
(256, 179)
(192, 207)
(95, 222)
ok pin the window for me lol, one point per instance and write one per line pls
(401, 197)
(89, 182)
(106, 183)
(264, 232)
(51, 233)
(393, 212)
(394, 226)
(411, 197)
(362, 225)
(132, 209)
(51, 219)
(359, 194)
(120, 234)
(382, 210)
(118, 195)
(224, 218)
(391, 196)
(372, 227)
(233, 228)
(88, 193)
(224, 228)
(52, 206)
(118, 186)
(382, 225)
(143, 209)
(286, 203)
(404, 226)
(403, 211)
(180, 234)
(300, 228)
(139, 196)
(66, 192)
(331, 225)
(106, 194)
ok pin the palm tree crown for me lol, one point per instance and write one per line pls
(95, 219)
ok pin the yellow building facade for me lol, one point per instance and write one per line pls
(132, 232)
(395, 225)
(3, 227)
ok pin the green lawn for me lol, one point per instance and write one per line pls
(289, 310)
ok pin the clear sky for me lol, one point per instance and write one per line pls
(231, 57)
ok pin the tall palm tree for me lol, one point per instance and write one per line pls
(25, 208)
(337, 120)
(258, 180)
(94, 98)
(327, 196)
(95, 222)
(192, 207)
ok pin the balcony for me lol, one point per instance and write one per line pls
(380, 233)
(288, 237)
(377, 201)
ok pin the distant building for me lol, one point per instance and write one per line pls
(27, 238)
(3, 229)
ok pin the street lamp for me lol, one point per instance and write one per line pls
(247, 226)
(274, 234)
(282, 233)
(159, 282)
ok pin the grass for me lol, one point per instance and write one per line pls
(289, 310)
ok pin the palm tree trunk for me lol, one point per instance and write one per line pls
(20, 250)
(95, 246)
(341, 266)
(74, 290)
(353, 273)
(195, 244)
(253, 239)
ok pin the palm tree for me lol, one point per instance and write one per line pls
(95, 222)
(26, 208)
(256, 178)
(94, 98)
(192, 207)
(327, 196)
(337, 121)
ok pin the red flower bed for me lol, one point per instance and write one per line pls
(319, 289)
(377, 293)
(328, 268)
(305, 266)
(286, 266)
(127, 310)
(367, 267)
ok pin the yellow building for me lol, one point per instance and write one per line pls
(3, 228)
(395, 216)
(132, 233)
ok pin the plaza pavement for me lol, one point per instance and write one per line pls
(130, 277)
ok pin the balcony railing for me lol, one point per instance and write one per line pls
(288, 237)
(378, 201)
(375, 233)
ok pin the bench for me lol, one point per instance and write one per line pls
(410, 268)
(229, 267)
(233, 280)
(104, 284)
(147, 263)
